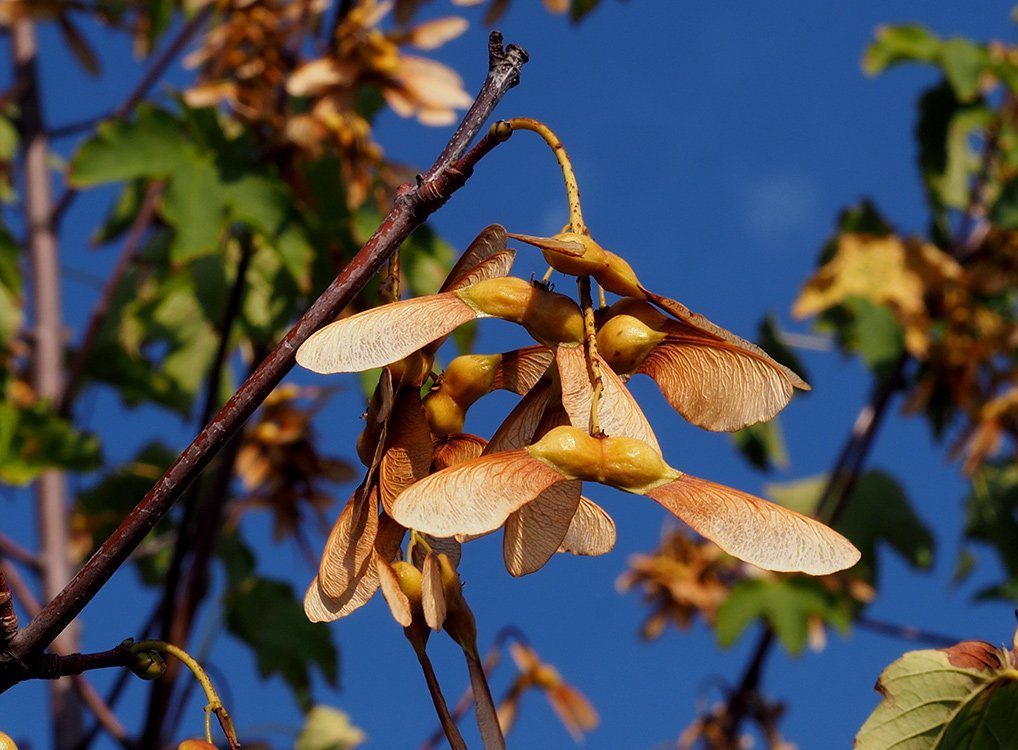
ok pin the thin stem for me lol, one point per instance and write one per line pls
(484, 704)
(907, 632)
(452, 732)
(463, 705)
(214, 704)
(102, 305)
(572, 187)
(590, 349)
(58, 664)
(412, 207)
(194, 538)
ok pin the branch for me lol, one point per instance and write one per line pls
(907, 632)
(412, 206)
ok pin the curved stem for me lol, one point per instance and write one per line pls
(214, 704)
(590, 349)
(572, 188)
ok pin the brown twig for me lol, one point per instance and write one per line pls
(907, 632)
(195, 539)
(8, 617)
(90, 697)
(127, 255)
(447, 721)
(412, 206)
(11, 549)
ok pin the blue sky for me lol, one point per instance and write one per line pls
(714, 145)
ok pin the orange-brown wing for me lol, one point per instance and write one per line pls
(520, 370)
(383, 335)
(713, 378)
(591, 531)
(475, 497)
(618, 413)
(534, 533)
(762, 533)
(487, 257)
(347, 552)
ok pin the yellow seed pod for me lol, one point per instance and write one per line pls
(470, 376)
(625, 341)
(445, 416)
(592, 258)
(6, 743)
(409, 581)
(196, 744)
(550, 318)
(627, 463)
(618, 277)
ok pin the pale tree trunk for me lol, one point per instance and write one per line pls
(48, 350)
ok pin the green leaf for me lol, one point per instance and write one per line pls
(122, 213)
(152, 145)
(763, 445)
(879, 511)
(581, 8)
(785, 603)
(267, 616)
(991, 518)
(1004, 213)
(426, 260)
(36, 439)
(327, 728)
(876, 334)
(963, 62)
(10, 289)
(194, 204)
(894, 45)
(962, 697)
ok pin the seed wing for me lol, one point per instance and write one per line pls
(591, 531)
(618, 413)
(475, 497)
(383, 335)
(762, 533)
(534, 533)
(347, 552)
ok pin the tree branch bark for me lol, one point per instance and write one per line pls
(48, 349)
(412, 206)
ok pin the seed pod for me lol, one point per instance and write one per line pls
(622, 462)
(6, 743)
(549, 317)
(196, 744)
(467, 378)
(579, 255)
(625, 341)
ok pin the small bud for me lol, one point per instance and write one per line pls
(148, 665)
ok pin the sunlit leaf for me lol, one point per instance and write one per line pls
(965, 696)
(904, 43)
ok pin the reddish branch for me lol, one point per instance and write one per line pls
(413, 205)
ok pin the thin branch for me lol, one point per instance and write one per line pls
(907, 632)
(151, 77)
(91, 698)
(11, 549)
(447, 721)
(127, 255)
(412, 206)
(8, 617)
